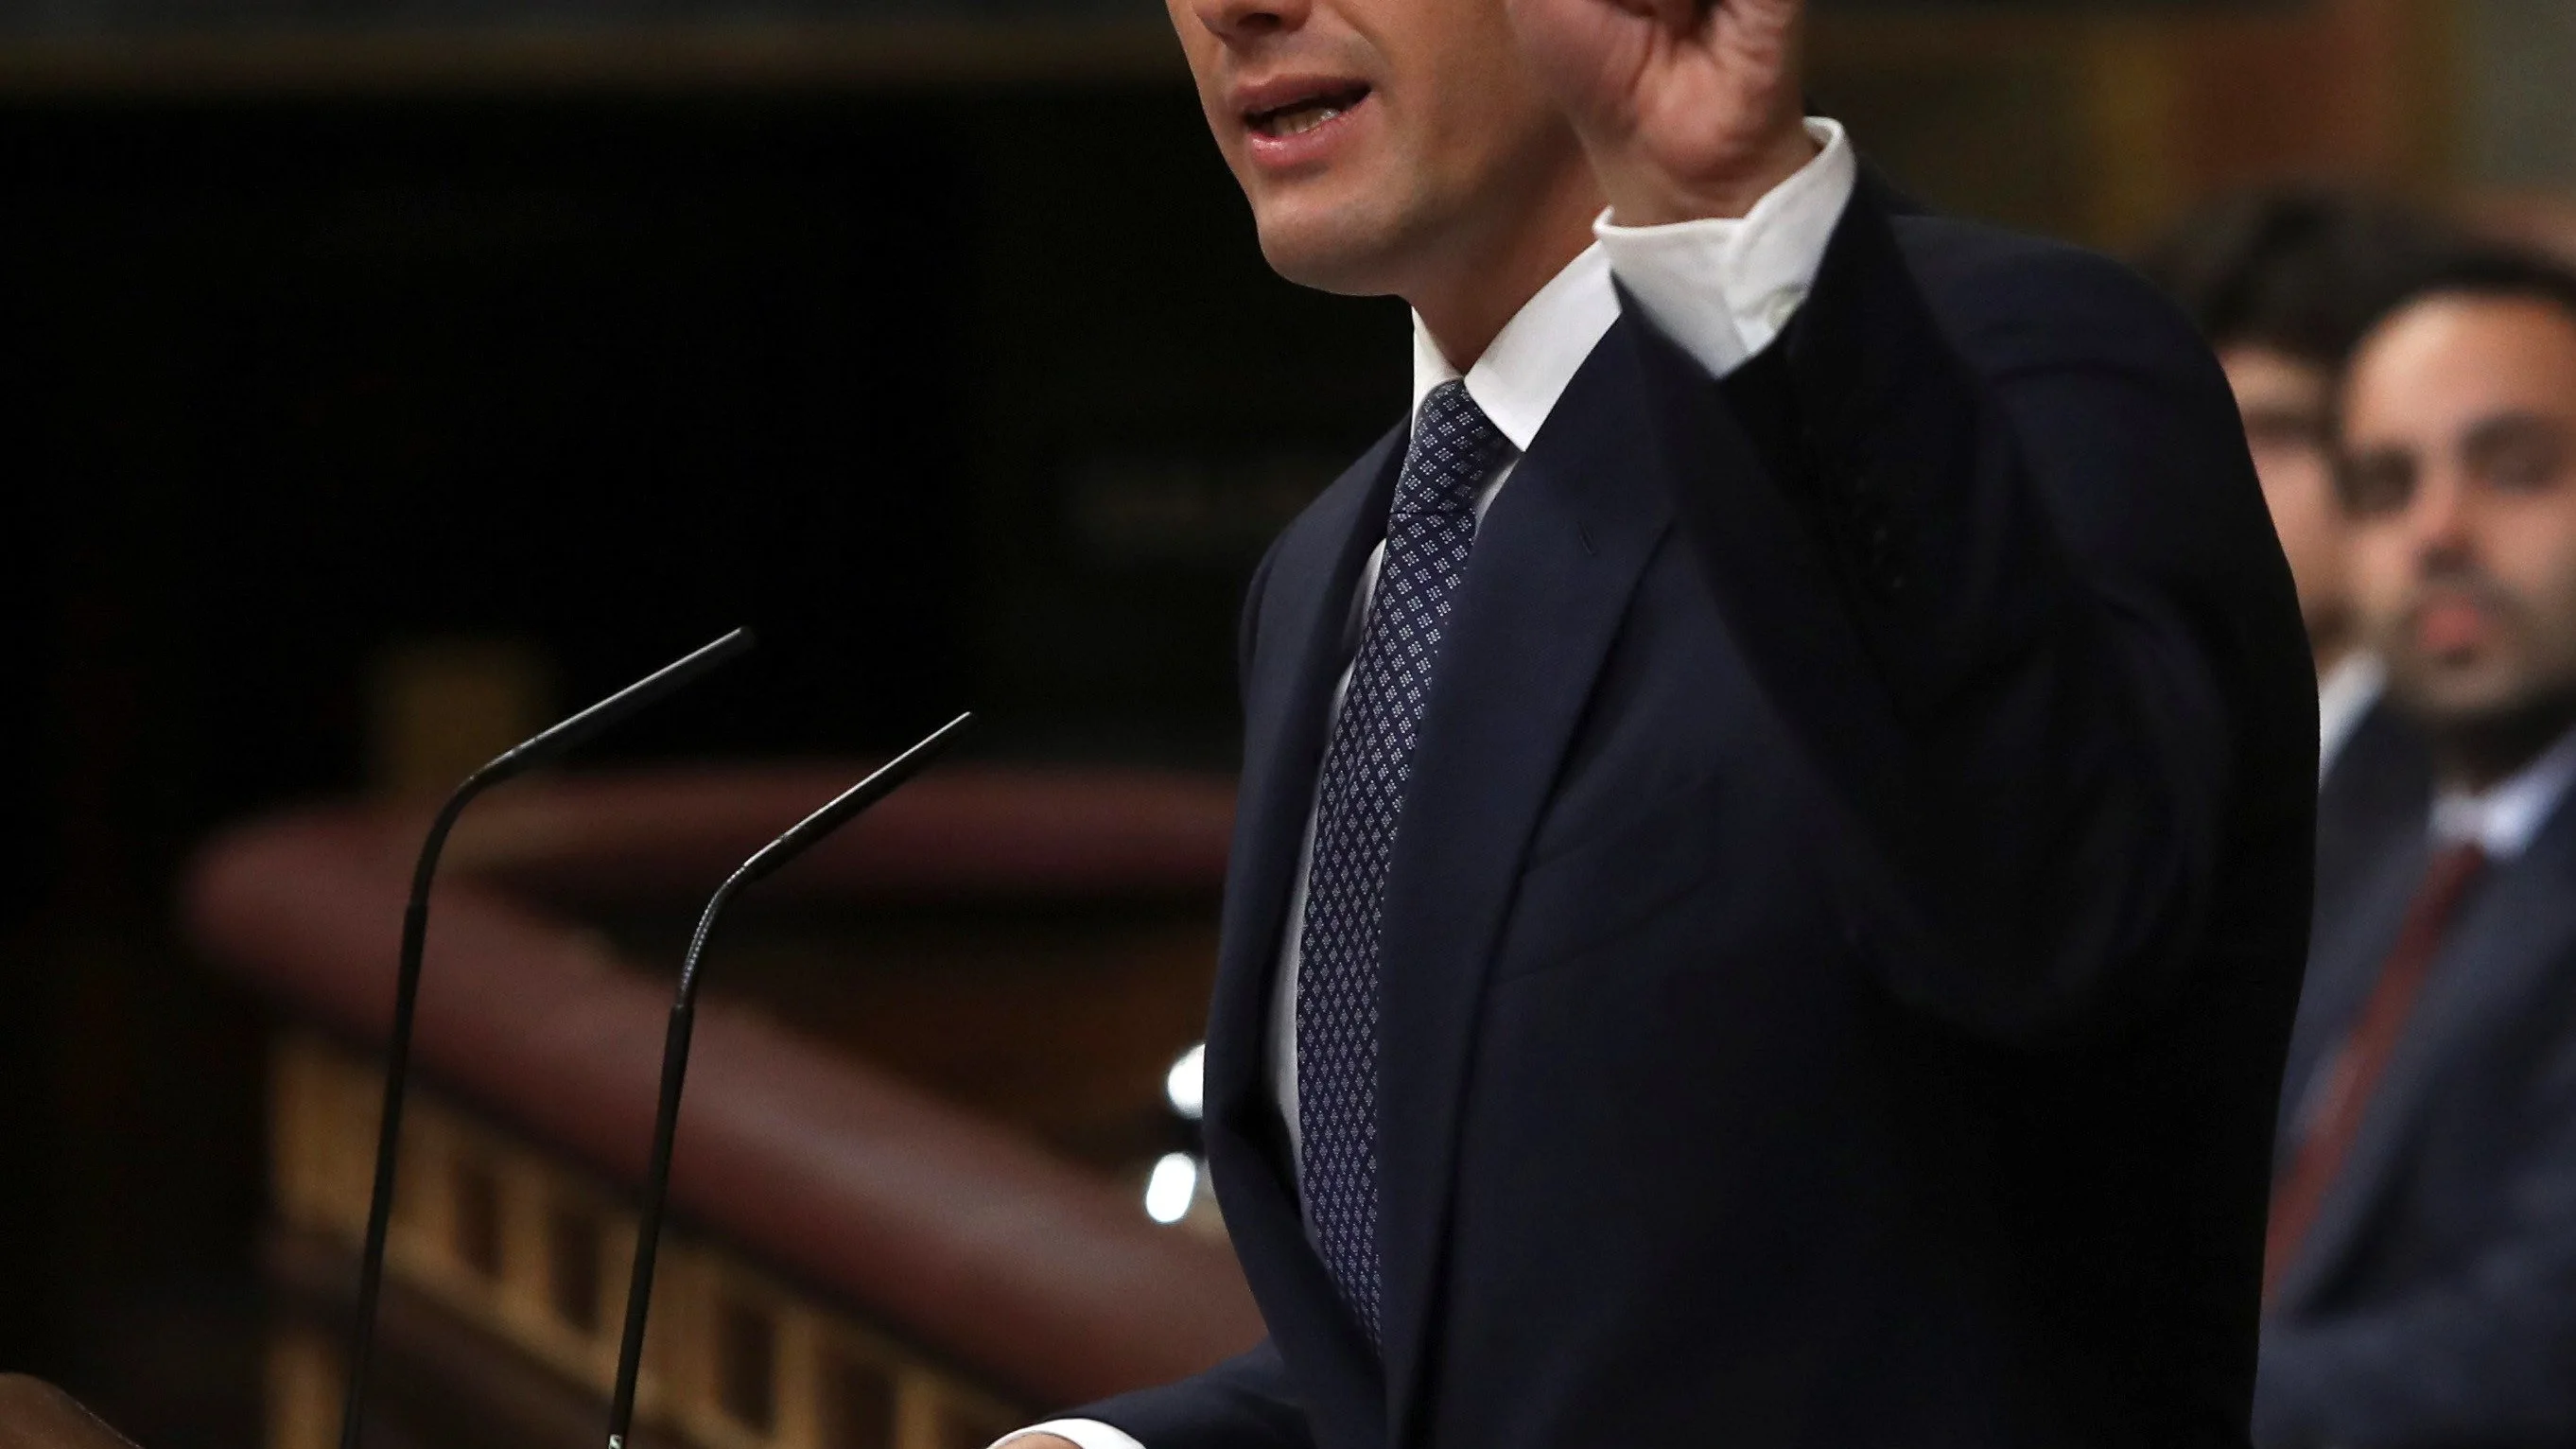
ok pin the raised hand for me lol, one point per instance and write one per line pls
(1688, 108)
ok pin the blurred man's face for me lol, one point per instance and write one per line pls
(2460, 479)
(2286, 404)
(1377, 139)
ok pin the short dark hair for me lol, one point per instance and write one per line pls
(2305, 271)
(2494, 270)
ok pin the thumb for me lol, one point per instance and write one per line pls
(1758, 19)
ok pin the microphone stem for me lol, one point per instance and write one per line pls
(657, 1172)
(807, 833)
(527, 755)
(380, 1206)
(639, 1291)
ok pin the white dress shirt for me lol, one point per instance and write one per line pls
(1755, 270)
(2344, 698)
(2504, 820)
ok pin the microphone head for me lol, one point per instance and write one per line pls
(567, 735)
(855, 801)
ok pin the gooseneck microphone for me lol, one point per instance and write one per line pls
(550, 745)
(806, 834)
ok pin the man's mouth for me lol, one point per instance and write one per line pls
(1307, 113)
(2451, 625)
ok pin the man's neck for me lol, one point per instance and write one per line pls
(1480, 288)
(2473, 759)
(2332, 652)
(2505, 809)
(2333, 641)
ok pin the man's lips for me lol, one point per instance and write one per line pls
(1286, 110)
(2452, 625)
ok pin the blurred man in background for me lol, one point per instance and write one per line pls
(2283, 283)
(2421, 1273)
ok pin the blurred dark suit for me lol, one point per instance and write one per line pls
(2379, 783)
(2433, 1302)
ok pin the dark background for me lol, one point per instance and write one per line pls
(285, 385)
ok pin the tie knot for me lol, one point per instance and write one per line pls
(1455, 447)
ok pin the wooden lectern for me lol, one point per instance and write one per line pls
(36, 1415)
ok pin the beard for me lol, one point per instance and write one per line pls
(2485, 734)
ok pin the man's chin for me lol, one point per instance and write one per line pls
(2464, 696)
(2500, 713)
(1327, 248)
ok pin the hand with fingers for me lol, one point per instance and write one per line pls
(1687, 108)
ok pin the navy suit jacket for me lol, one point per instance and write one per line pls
(1849, 906)
(2381, 783)
(2434, 1301)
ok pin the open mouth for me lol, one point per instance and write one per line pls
(1307, 113)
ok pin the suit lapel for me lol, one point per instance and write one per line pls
(1556, 560)
(2515, 933)
(2348, 949)
(1300, 646)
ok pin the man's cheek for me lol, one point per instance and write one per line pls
(2555, 620)
(2384, 603)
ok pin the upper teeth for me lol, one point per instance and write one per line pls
(1305, 118)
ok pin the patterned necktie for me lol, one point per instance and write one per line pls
(2353, 1073)
(1429, 531)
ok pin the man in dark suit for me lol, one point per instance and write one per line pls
(1773, 859)
(2282, 282)
(2422, 1281)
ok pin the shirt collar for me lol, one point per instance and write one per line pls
(2506, 819)
(2344, 697)
(1535, 357)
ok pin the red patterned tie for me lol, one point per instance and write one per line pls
(2353, 1072)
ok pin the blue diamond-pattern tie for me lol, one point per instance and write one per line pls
(1429, 531)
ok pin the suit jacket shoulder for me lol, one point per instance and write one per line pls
(2001, 294)
(2032, 317)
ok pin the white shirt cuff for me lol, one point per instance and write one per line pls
(1756, 269)
(1088, 1433)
